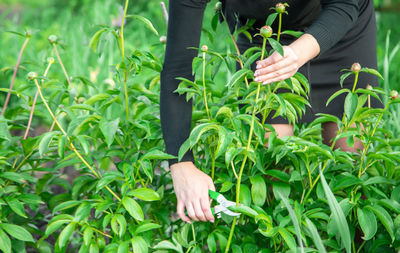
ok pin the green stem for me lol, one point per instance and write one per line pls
(61, 64)
(121, 35)
(355, 82)
(360, 171)
(204, 86)
(253, 116)
(15, 74)
(279, 27)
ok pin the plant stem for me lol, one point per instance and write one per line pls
(61, 64)
(253, 116)
(355, 82)
(204, 86)
(71, 145)
(15, 73)
(279, 27)
(360, 171)
(34, 103)
(121, 35)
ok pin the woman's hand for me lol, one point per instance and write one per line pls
(277, 68)
(191, 189)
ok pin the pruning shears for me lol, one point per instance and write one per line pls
(223, 204)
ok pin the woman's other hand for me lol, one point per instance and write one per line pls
(191, 187)
(277, 67)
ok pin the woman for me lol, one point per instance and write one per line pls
(337, 33)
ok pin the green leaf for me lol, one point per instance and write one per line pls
(315, 236)
(337, 215)
(244, 210)
(109, 128)
(95, 39)
(65, 235)
(123, 247)
(372, 71)
(367, 221)
(245, 195)
(296, 34)
(139, 244)
(96, 98)
(343, 77)
(271, 18)
(384, 218)
(17, 232)
(282, 188)
(276, 46)
(16, 206)
(288, 237)
(61, 146)
(294, 219)
(87, 235)
(258, 190)
(84, 144)
(350, 104)
(147, 22)
(224, 139)
(66, 205)
(211, 243)
(238, 77)
(146, 194)
(4, 132)
(168, 245)
(53, 226)
(17, 177)
(133, 208)
(146, 227)
(5, 242)
(45, 141)
(157, 155)
(337, 93)
(118, 224)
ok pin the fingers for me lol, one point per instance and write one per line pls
(180, 208)
(277, 75)
(205, 207)
(275, 67)
(191, 211)
(272, 59)
(199, 211)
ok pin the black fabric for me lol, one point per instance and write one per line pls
(344, 29)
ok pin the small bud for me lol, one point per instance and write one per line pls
(163, 39)
(50, 60)
(28, 33)
(356, 67)
(204, 48)
(32, 75)
(280, 8)
(266, 31)
(218, 6)
(394, 94)
(369, 87)
(52, 39)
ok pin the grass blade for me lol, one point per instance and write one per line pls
(337, 215)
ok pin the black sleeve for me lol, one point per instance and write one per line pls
(335, 20)
(184, 30)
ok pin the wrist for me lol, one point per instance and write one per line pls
(306, 48)
(180, 165)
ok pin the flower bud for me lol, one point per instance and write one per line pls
(50, 60)
(356, 67)
(52, 39)
(266, 31)
(369, 87)
(163, 39)
(394, 94)
(280, 8)
(218, 6)
(32, 75)
(204, 48)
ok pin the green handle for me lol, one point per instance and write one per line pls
(214, 195)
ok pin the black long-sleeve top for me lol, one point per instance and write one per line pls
(326, 20)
